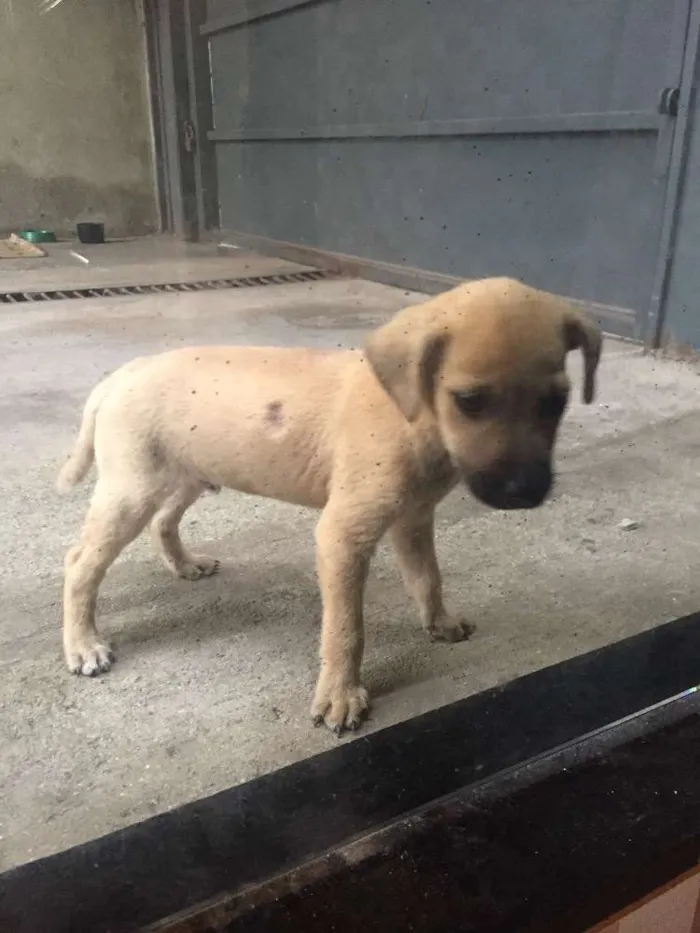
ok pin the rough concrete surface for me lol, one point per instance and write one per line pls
(214, 679)
(151, 260)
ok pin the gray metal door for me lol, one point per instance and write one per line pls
(467, 137)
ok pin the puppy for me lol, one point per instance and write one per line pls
(469, 386)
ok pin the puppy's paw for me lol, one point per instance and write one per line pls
(339, 706)
(448, 628)
(89, 657)
(198, 566)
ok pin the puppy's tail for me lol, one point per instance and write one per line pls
(78, 465)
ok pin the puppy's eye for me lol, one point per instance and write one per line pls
(474, 403)
(552, 405)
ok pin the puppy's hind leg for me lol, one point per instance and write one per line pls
(165, 533)
(115, 517)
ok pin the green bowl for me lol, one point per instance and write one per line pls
(38, 236)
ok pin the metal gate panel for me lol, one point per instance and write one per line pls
(469, 138)
(360, 61)
(556, 220)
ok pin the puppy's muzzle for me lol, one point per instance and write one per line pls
(524, 486)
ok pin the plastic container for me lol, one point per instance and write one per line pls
(38, 236)
(91, 233)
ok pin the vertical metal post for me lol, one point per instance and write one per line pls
(201, 115)
(174, 108)
(149, 18)
(676, 171)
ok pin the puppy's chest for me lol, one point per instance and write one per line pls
(436, 476)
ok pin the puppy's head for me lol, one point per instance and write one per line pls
(487, 363)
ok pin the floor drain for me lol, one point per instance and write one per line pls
(119, 291)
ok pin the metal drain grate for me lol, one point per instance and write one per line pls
(119, 291)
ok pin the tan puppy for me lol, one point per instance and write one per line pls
(470, 385)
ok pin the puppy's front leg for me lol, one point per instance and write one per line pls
(345, 542)
(413, 537)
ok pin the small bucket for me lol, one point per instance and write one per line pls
(91, 233)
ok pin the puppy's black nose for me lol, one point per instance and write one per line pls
(524, 486)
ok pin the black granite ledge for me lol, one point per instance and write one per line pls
(553, 848)
(242, 836)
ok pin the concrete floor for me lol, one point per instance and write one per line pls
(213, 681)
(139, 261)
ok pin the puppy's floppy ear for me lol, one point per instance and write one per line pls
(405, 355)
(581, 334)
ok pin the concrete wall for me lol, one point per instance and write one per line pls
(75, 138)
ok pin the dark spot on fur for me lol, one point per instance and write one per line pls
(157, 454)
(194, 391)
(193, 427)
(274, 415)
